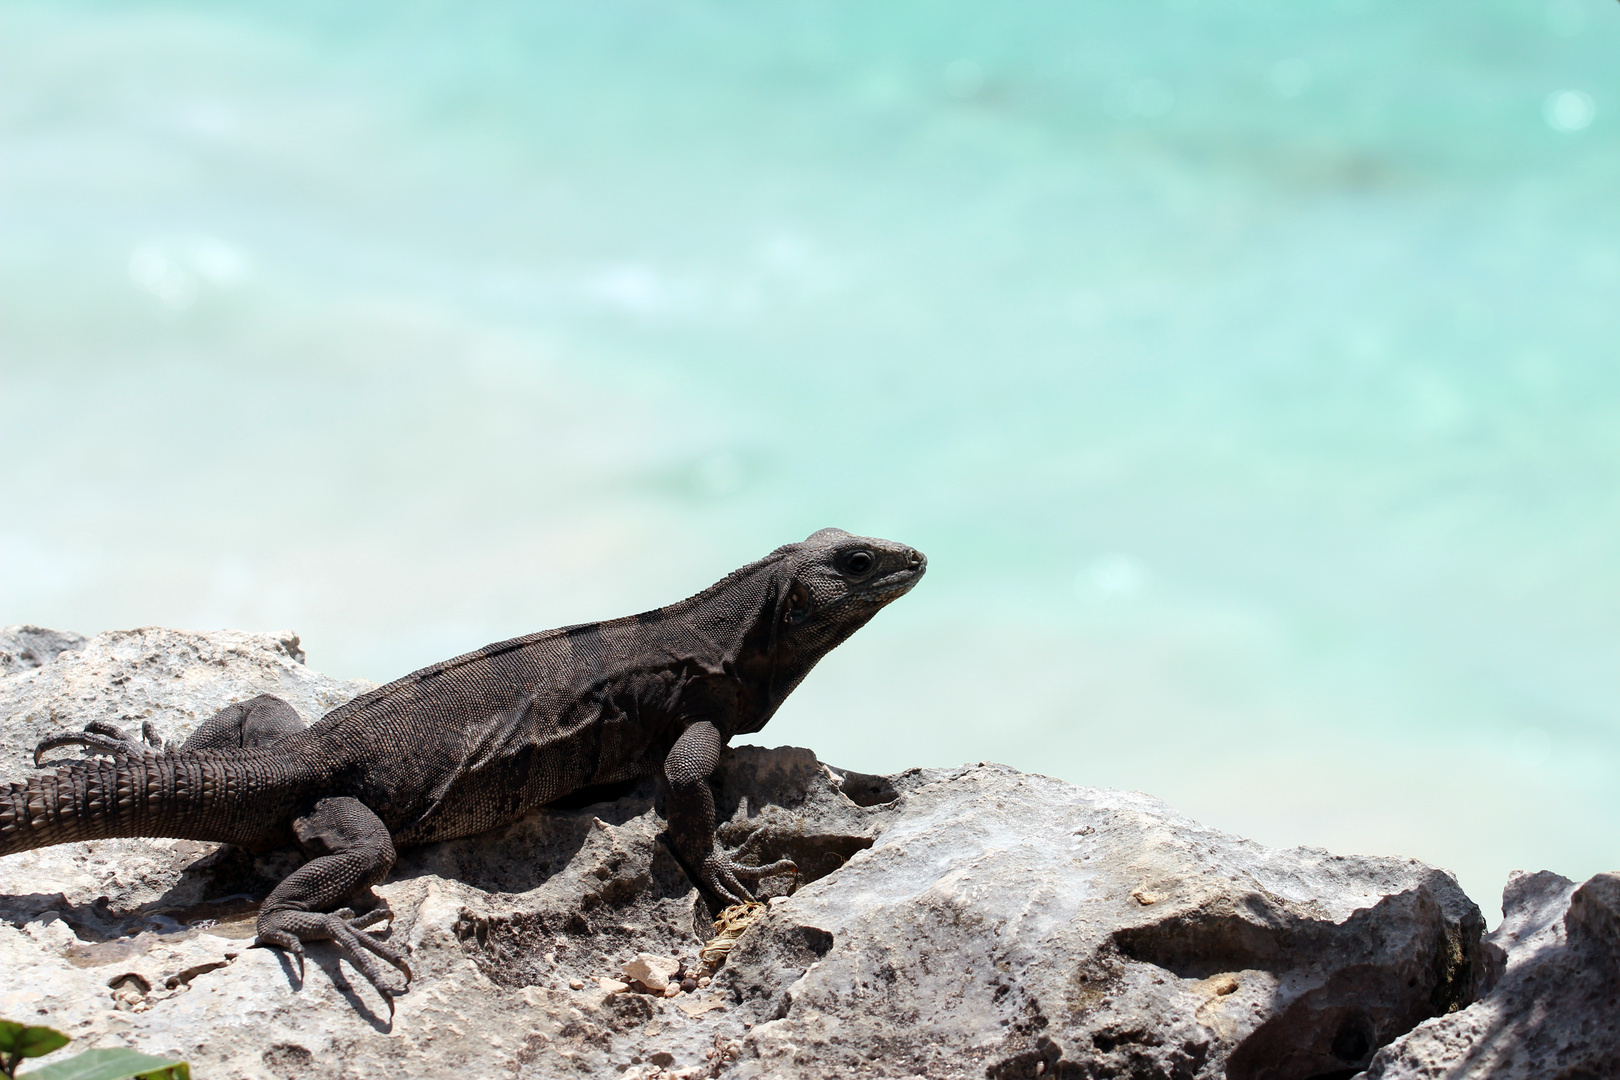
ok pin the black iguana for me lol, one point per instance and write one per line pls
(478, 741)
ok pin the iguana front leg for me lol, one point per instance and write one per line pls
(691, 761)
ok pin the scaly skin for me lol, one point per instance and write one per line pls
(476, 742)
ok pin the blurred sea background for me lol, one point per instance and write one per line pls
(1247, 369)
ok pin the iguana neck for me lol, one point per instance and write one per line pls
(736, 626)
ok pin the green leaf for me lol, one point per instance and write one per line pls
(15, 1039)
(175, 1070)
(117, 1064)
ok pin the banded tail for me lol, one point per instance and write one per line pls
(226, 796)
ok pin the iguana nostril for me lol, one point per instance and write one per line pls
(915, 558)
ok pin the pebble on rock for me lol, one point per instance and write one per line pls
(652, 971)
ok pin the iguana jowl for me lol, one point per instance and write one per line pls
(478, 741)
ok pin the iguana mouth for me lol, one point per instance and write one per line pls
(896, 584)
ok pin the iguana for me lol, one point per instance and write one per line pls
(478, 741)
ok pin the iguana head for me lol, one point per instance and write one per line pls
(825, 588)
(835, 582)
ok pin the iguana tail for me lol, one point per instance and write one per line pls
(241, 796)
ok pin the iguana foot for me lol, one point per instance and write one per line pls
(289, 930)
(258, 721)
(724, 874)
(352, 851)
(721, 873)
(102, 736)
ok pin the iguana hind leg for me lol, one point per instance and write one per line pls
(258, 721)
(351, 851)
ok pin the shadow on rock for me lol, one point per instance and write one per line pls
(1551, 1014)
(1383, 970)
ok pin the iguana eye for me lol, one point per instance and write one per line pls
(859, 562)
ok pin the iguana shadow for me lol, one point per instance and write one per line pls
(226, 884)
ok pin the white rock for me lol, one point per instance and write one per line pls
(1555, 1009)
(996, 921)
(951, 923)
(23, 647)
(651, 970)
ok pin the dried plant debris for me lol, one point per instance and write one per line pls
(728, 927)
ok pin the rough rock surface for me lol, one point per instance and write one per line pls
(24, 647)
(964, 922)
(173, 678)
(1554, 1013)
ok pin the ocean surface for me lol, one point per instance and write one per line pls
(1249, 371)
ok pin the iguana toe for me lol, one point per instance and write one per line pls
(290, 929)
(724, 883)
(381, 913)
(725, 875)
(286, 942)
(93, 740)
(780, 866)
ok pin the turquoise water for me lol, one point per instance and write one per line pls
(1247, 371)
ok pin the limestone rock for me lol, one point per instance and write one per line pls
(173, 678)
(965, 922)
(1554, 1012)
(23, 647)
(1012, 925)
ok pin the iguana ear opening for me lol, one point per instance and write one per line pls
(798, 604)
